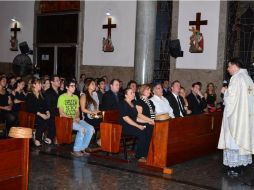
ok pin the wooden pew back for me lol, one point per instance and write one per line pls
(110, 116)
(181, 139)
(110, 131)
(14, 159)
(193, 137)
(63, 130)
(26, 119)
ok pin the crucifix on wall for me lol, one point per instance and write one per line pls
(197, 38)
(14, 40)
(107, 45)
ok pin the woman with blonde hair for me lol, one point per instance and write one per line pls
(36, 104)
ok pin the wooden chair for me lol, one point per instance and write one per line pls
(26, 119)
(14, 159)
(63, 130)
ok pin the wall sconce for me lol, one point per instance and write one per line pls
(108, 12)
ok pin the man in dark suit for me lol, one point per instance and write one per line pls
(197, 102)
(166, 88)
(175, 100)
(51, 98)
(111, 99)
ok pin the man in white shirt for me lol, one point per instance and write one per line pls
(161, 104)
(236, 137)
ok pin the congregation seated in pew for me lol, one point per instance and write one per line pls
(131, 125)
(6, 113)
(36, 104)
(160, 102)
(18, 96)
(51, 97)
(68, 104)
(197, 102)
(89, 104)
(111, 99)
(175, 100)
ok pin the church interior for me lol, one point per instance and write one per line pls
(129, 42)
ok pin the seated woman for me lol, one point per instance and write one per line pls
(182, 93)
(89, 104)
(36, 104)
(210, 97)
(6, 113)
(145, 107)
(18, 96)
(161, 104)
(128, 120)
(45, 85)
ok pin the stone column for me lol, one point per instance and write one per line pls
(145, 41)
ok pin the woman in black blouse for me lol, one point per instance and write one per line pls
(18, 96)
(36, 104)
(128, 120)
(6, 113)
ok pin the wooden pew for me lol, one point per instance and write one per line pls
(181, 139)
(14, 159)
(110, 131)
(63, 130)
(26, 119)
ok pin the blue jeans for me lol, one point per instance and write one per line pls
(84, 135)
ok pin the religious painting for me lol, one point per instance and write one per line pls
(196, 41)
(14, 40)
(197, 38)
(107, 45)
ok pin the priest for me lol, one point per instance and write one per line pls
(236, 137)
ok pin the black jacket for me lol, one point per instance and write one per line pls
(109, 101)
(195, 106)
(174, 104)
(51, 98)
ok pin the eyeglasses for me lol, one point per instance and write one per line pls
(72, 85)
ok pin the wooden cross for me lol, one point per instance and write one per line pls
(109, 26)
(15, 30)
(198, 22)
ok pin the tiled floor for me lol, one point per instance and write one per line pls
(54, 169)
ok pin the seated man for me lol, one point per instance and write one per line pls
(161, 103)
(68, 105)
(197, 102)
(111, 99)
(51, 97)
(166, 88)
(133, 85)
(175, 100)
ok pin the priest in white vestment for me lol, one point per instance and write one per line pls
(236, 137)
(161, 104)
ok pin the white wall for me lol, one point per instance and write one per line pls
(123, 36)
(23, 11)
(187, 12)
